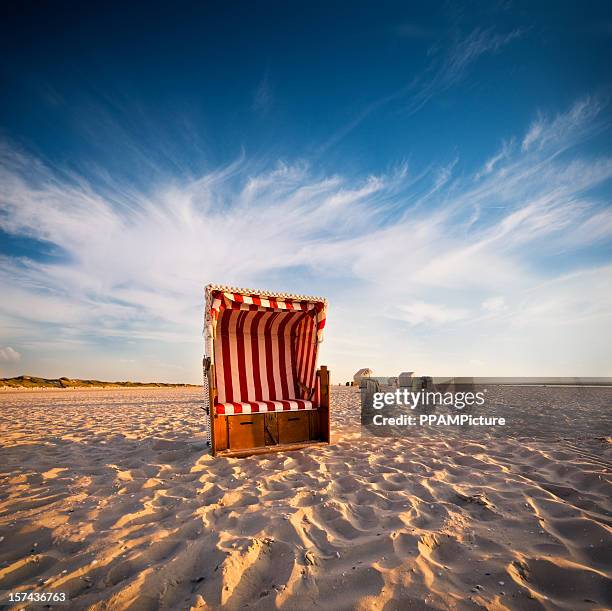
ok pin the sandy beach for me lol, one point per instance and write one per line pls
(112, 497)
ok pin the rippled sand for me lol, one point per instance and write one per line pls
(112, 497)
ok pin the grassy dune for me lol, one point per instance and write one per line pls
(33, 382)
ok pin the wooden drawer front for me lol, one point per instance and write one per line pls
(293, 427)
(246, 431)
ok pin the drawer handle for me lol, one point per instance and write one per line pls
(290, 419)
(245, 423)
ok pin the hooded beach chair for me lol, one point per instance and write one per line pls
(262, 389)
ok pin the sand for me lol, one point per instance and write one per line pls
(112, 497)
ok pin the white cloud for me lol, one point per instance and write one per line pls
(452, 67)
(533, 135)
(579, 120)
(419, 312)
(263, 97)
(444, 71)
(9, 355)
(494, 304)
(443, 244)
(502, 155)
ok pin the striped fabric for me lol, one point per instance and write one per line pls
(255, 407)
(218, 298)
(264, 346)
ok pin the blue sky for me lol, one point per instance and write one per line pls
(441, 173)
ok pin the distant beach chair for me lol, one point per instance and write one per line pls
(362, 374)
(262, 390)
(405, 379)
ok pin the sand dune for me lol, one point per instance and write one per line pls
(112, 497)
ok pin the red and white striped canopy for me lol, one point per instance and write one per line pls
(264, 345)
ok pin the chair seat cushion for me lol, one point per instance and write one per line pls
(254, 407)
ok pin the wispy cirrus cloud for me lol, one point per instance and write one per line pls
(451, 67)
(480, 254)
(9, 355)
(504, 153)
(579, 122)
(417, 312)
(445, 69)
(263, 97)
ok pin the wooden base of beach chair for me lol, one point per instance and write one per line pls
(258, 433)
(287, 447)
